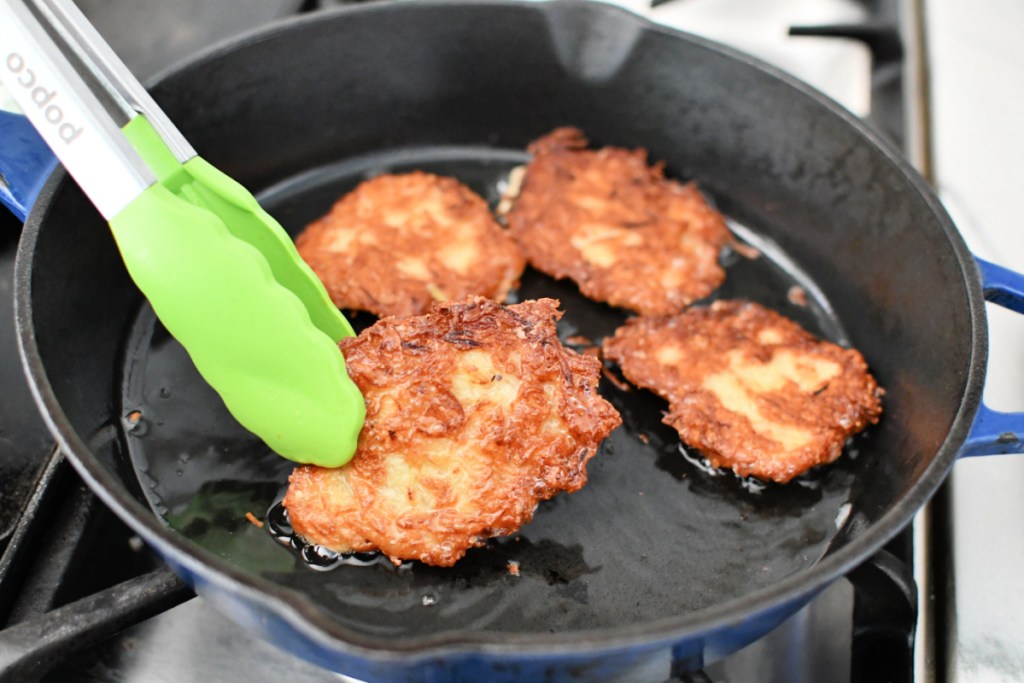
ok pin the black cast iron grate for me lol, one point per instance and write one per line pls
(53, 604)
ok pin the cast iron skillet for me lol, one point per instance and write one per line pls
(657, 560)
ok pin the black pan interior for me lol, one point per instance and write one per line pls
(686, 537)
(306, 111)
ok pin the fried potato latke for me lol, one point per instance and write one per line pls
(474, 413)
(398, 243)
(616, 226)
(749, 388)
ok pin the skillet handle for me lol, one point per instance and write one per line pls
(25, 160)
(995, 432)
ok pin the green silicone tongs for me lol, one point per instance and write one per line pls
(221, 274)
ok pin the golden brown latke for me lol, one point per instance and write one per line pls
(616, 226)
(474, 413)
(749, 388)
(397, 243)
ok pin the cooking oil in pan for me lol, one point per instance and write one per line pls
(315, 556)
(682, 538)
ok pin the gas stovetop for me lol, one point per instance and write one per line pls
(122, 616)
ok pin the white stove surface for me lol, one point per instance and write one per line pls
(838, 67)
(976, 55)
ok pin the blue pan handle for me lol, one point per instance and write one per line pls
(25, 163)
(995, 432)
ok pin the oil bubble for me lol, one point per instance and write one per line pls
(135, 424)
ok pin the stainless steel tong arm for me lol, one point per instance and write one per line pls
(111, 73)
(74, 89)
